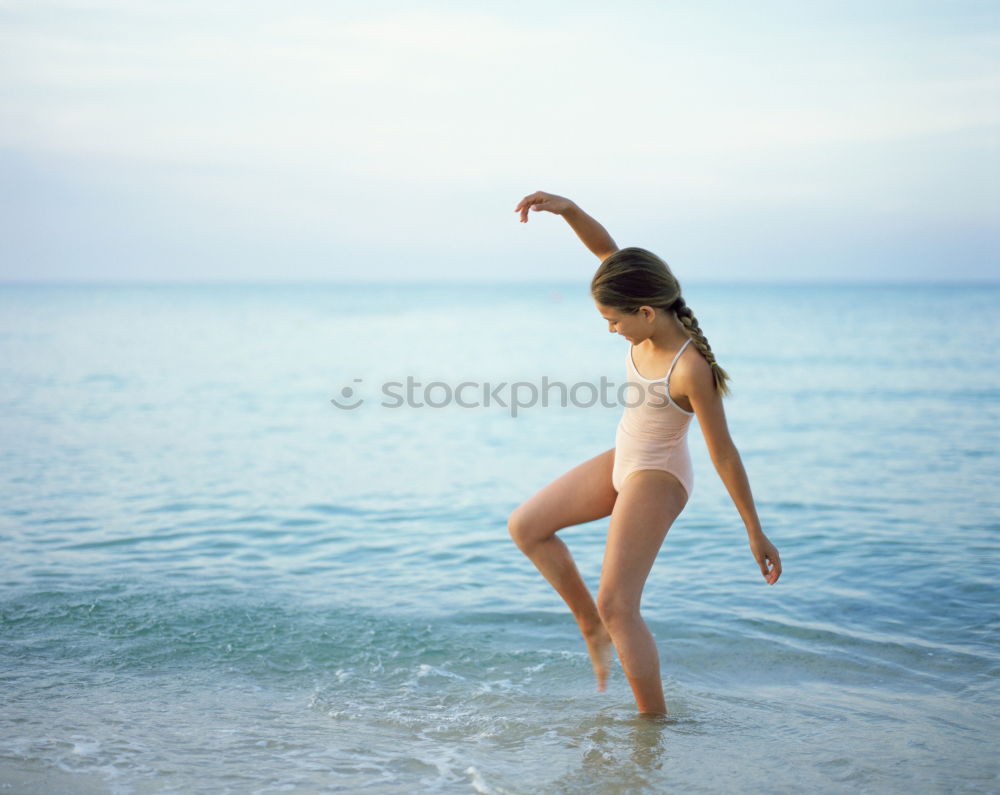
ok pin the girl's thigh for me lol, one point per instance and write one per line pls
(583, 494)
(649, 502)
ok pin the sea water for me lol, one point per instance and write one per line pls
(214, 579)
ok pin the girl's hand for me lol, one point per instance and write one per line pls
(765, 552)
(540, 200)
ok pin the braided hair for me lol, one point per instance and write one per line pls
(634, 277)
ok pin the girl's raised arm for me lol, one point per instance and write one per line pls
(594, 236)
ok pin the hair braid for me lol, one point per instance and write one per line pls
(690, 323)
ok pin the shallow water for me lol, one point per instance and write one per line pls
(215, 580)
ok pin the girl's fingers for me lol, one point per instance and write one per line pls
(537, 202)
(523, 201)
(531, 198)
(527, 204)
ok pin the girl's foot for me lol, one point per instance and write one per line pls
(599, 645)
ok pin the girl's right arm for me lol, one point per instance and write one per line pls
(594, 236)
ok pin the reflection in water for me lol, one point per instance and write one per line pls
(620, 751)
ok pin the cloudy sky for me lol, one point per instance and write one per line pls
(248, 141)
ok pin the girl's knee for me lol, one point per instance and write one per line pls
(520, 530)
(527, 530)
(616, 608)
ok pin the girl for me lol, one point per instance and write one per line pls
(645, 480)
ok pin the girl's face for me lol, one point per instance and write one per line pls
(635, 328)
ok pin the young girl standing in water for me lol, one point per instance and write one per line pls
(645, 480)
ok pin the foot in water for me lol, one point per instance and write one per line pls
(600, 647)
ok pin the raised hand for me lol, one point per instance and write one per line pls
(540, 200)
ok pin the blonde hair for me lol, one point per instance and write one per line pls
(633, 277)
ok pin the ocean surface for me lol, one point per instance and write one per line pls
(214, 579)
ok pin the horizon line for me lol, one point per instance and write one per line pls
(882, 282)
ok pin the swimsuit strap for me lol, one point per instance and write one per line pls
(678, 356)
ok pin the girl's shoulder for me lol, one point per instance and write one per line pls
(692, 374)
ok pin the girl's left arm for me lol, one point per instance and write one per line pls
(707, 405)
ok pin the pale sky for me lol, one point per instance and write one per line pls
(377, 141)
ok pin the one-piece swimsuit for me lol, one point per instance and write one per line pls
(652, 433)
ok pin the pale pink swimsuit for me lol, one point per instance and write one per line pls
(652, 433)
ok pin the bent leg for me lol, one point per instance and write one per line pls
(583, 494)
(648, 504)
